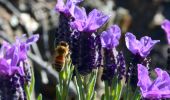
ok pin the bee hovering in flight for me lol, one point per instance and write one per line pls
(61, 53)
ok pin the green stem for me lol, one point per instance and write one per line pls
(80, 86)
(127, 91)
(27, 92)
(60, 82)
(58, 94)
(64, 93)
(69, 78)
(136, 94)
(90, 85)
(118, 90)
(107, 91)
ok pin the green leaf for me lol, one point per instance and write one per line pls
(70, 74)
(136, 94)
(32, 81)
(91, 85)
(61, 82)
(67, 75)
(127, 91)
(80, 86)
(58, 92)
(139, 97)
(29, 89)
(94, 95)
(118, 90)
(39, 97)
(26, 88)
(77, 88)
(113, 88)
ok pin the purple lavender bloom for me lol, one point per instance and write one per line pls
(156, 89)
(65, 8)
(90, 23)
(6, 69)
(142, 46)
(12, 68)
(12, 55)
(110, 38)
(20, 48)
(166, 26)
(87, 58)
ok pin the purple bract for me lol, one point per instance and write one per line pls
(12, 55)
(110, 38)
(65, 7)
(142, 46)
(84, 23)
(157, 89)
(166, 26)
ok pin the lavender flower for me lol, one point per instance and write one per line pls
(166, 26)
(110, 38)
(65, 8)
(140, 47)
(87, 24)
(156, 89)
(12, 71)
(64, 31)
(87, 43)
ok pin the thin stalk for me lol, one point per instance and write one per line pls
(127, 90)
(107, 91)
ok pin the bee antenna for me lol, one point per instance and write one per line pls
(63, 43)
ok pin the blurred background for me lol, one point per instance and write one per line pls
(141, 17)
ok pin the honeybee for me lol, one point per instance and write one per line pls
(61, 53)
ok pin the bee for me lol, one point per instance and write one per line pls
(60, 56)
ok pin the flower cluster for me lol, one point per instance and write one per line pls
(141, 49)
(109, 40)
(84, 42)
(89, 49)
(13, 73)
